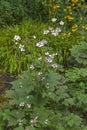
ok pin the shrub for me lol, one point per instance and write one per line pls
(5, 13)
(47, 98)
(71, 12)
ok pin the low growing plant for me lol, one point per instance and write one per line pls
(47, 97)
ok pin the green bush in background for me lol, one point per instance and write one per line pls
(11, 12)
(71, 12)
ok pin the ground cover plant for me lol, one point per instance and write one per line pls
(49, 62)
(48, 96)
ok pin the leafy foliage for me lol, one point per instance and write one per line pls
(53, 99)
(80, 52)
(12, 12)
(48, 93)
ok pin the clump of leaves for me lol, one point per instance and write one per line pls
(45, 98)
(80, 52)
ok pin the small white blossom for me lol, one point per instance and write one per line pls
(43, 78)
(17, 38)
(21, 47)
(53, 55)
(54, 19)
(86, 28)
(56, 31)
(20, 121)
(41, 43)
(21, 104)
(34, 37)
(49, 59)
(34, 121)
(28, 105)
(28, 97)
(47, 83)
(61, 23)
(39, 73)
(54, 65)
(46, 121)
(46, 53)
(32, 67)
(50, 28)
(46, 31)
(16, 43)
(40, 58)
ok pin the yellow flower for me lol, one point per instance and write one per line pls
(56, 6)
(64, 34)
(84, 26)
(80, 18)
(74, 27)
(70, 18)
(68, 34)
(74, 1)
(68, 7)
(70, 12)
(79, 4)
(65, 10)
(51, 1)
(82, 0)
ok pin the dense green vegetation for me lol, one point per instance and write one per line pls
(44, 45)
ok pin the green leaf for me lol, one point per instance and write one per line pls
(12, 122)
(19, 128)
(85, 128)
(53, 78)
(30, 128)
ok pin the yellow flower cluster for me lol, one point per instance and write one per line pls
(69, 13)
(74, 27)
(74, 1)
(56, 6)
(68, 34)
(69, 18)
(84, 26)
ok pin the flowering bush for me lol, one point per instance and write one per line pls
(72, 12)
(47, 97)
(49, 93)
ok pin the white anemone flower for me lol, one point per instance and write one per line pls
(54, 20)
(41, 43)
(21, 47)
(46, 31)
(61, 23)
(32, 67)
(17, 38)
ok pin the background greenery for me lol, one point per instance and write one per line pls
(12, 12)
